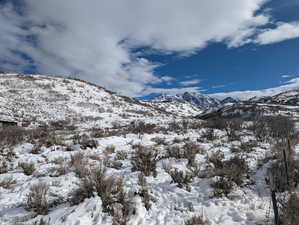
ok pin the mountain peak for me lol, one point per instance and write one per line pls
(197, 99)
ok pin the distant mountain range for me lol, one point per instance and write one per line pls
(199, 100)
(212, 107)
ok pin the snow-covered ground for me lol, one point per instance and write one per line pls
(108, 133)
(170, 205)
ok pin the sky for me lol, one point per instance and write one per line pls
(141, 48)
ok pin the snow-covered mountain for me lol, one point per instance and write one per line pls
(228, 100)
(199, 100)
(284, 98)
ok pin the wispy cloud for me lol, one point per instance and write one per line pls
(282, 32)
(190, 82)
(286, 76)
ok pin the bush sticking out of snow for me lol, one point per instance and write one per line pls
(37, 200)
(145, 160)
(197, 220)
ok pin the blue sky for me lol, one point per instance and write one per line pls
(249, 67)
(142, 48)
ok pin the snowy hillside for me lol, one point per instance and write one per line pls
(123, 162)
(248, 109)
(179, 108)
(284, 98)
(42, 99)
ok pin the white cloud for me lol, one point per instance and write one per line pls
(94, 39)
(292, 84)
(190, 82)
(283, 31)
(286, 76)
(167, 78)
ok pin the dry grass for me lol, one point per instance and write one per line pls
(197, 220)
(37, 200)
(144, 191)
(79, 164)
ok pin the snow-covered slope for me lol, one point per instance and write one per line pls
(284, 98)
(93, 175)
(43, 98)
(248, 109)
(179, 108)
(197, 99)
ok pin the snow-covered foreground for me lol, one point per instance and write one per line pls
(90, 157)
(170, 204)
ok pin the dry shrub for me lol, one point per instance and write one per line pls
(208, 134)
(190, 151)
(115, 200)
(28, 168)
(174, 126)
(85, 141)
(12, 135)
(216, 158)
(79, 164)
(246, 147)
(232, 127)
(141, 128)
(144, 191)
(63, 167)
(121, 155)
(290, 209)
(197, 220)
(222, 186)
(7, 182)
(174, 152)
(62, 170)
(278, 127)
(3, 166)
(281, 127)
(159, 141)
(144, 160)
(234, 169)
(37, 200)
(60, 124)
(37, 149)
(181, 178)
(109, 150)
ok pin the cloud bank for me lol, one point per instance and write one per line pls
(99, 40)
